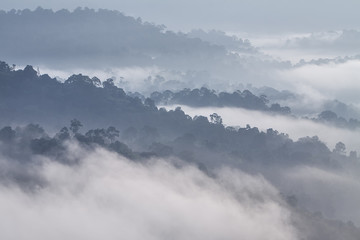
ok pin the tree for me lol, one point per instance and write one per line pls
(7, 134)
(340, 148)
(328, 116)
(150, 103)
(109, 83)
(4, 67)
(63, 134)
(29, 72)
(264, 98)
(33, 131)
(353, 155)
(112, 133)
(215, 118)
(96, 136)
(75, 125)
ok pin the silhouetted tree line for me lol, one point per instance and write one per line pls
(97, 37)
(249, 144)
(204, 97)
(314, 225)
(23, 142)
(332, 118)
(232, 43)
(23, 145)
(27, 97)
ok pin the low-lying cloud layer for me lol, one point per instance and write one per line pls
(110, 197)
(341, 42)
(309, 46)
(333, 193)
(329, 81)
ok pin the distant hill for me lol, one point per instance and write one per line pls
(26, 98)
(204, 97)
(96, 38)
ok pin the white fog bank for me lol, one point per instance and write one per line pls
(110, 197)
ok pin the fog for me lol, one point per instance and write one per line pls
(307, 46)
(102, 194)
(327, 81)
(316, 84)
(175, 60)
(144, 80)
(333, 193)
(295, 128)
(135, 171)
(341, 42)
(129, 78)
(230, 15)
(111, 197)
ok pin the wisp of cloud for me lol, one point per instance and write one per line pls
(110, 197)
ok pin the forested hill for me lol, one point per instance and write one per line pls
(34, 124)
(26, 98)
(26, 150)
(204, 97)
(97, 38)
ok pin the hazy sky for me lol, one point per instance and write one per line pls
(262, 16)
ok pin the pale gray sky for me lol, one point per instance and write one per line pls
(256, 16)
